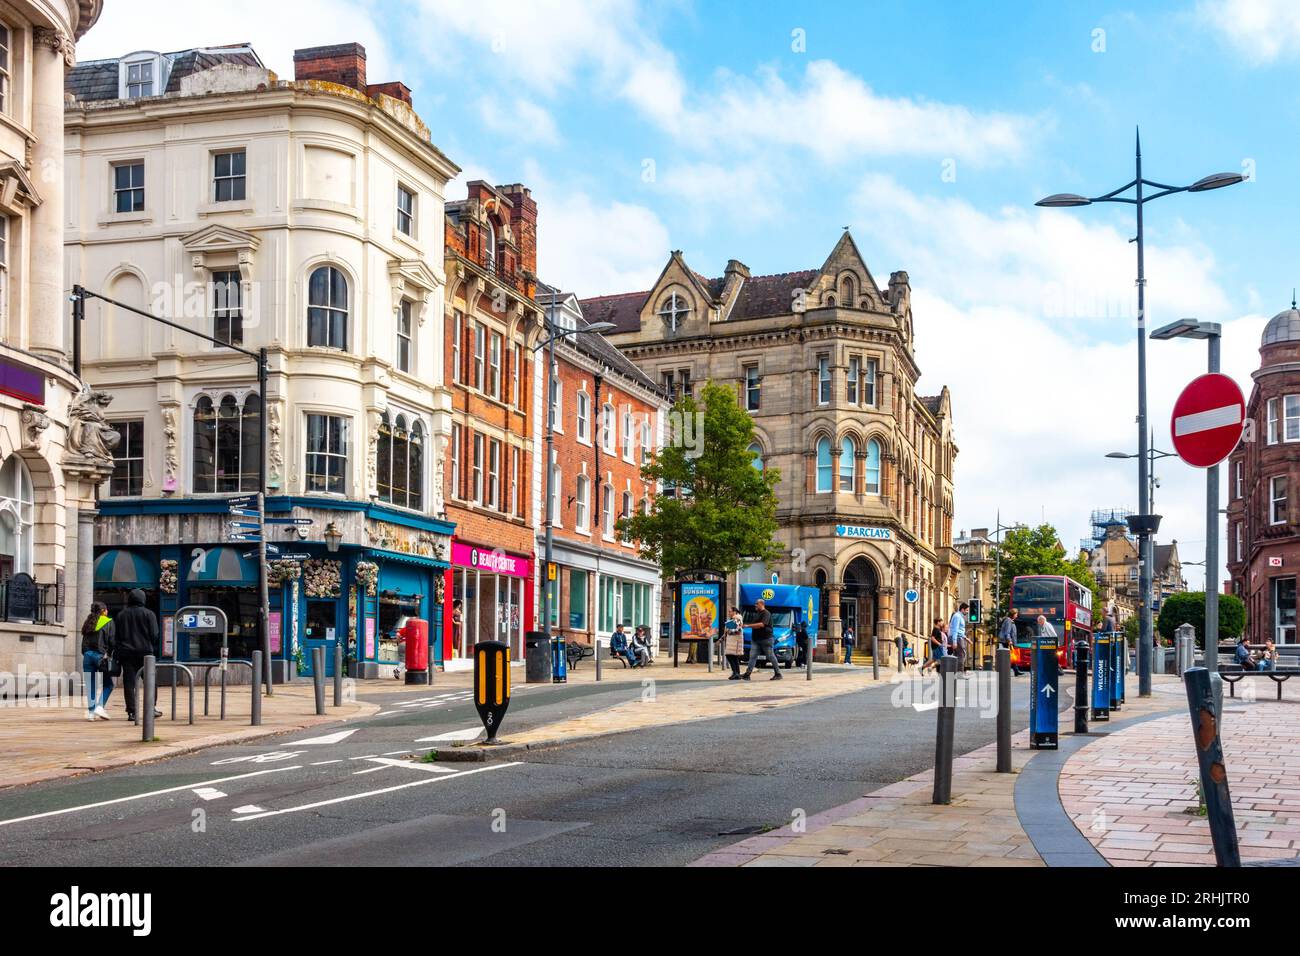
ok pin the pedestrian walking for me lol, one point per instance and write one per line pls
(801, 638)
(733, 642)
(1007, 637)
(97, 637)
(938, 645)
(136, 637)
(849, 641)
(760, 641)
(1045, 627)
(1109, 622)
(957, 634)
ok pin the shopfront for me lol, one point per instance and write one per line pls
(593, 592)
(491, 598)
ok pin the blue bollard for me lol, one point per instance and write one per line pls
(1102, 676)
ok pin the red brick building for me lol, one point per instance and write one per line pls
(1263, 476)
(492, 323)
(609, 421)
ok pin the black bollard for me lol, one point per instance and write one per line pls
(338, 674)
(1080, 687)
(875, 657)
(945, 728)
(1214, 775)
(256, 699)
(318, 677)
(1004, 709)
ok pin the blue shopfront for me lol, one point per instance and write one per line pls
(358, 573)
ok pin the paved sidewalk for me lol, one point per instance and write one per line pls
(42, 742)
(897, 825)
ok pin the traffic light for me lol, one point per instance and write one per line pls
(974, 610)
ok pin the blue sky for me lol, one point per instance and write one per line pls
(757, 131)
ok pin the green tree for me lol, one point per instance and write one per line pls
(1131, 630)
(1039, 551)
(725, 514)
(1188, 607)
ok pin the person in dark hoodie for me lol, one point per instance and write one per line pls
(96, 644)
(136, 637)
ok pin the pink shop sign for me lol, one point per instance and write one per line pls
(492, 562)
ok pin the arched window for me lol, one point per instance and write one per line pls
(674, 311)
(819, 580)
(825, 469)
(17, 513)
(227, 439)
(848, 461)
(758, 456)
(873, 467)
(400, 462)
(327, 308)
(847, 297)
(490, 246)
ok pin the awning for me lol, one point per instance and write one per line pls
(224, 566)
(123, 569)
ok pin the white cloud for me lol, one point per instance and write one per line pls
(1039, 400)
(520, 118)
(597, 248)
(274, 29)
(1261, 30)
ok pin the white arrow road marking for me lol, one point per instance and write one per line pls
(249, 808)
(1206, 420)
(327, 739)
(469, 733)
(208, 793)
(376, 793)
(930, 706)
(141, 796)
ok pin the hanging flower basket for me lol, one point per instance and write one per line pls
(282, 571)
(167, 576)
(324, 578)
(368, 577)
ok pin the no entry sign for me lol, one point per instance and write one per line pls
(1208, 420)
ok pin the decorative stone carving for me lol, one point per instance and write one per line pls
(91, 437)
(437, 501)
(171, 456)
(57, 41)
(34, 422)
(372, 455)
(275, 448)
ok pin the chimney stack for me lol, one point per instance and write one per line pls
(523, 223)
(342, 63)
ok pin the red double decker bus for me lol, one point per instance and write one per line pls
(1065, 603)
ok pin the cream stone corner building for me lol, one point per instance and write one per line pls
(824, 361)
(54, 445)
(302, 217)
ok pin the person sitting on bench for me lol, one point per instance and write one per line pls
(619, 647)
(1243, 656)
(1268, 659)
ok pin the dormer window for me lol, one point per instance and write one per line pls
(139, 79)
(674, 311)
(140, 75)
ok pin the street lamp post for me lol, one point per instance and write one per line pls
(554, 332)
(1212, 332)
(1146, 523)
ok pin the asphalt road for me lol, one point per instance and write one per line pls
(663, 796)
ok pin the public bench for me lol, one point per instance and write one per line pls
(1232, 673)
(576, 652)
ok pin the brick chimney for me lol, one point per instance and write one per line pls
(342, 63)
(523, 223)
(398, 91)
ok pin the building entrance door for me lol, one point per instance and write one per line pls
(858, 601)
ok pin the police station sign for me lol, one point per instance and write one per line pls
(859, 531)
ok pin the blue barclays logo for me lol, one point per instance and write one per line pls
(857, 531)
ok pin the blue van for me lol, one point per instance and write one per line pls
(789, 604)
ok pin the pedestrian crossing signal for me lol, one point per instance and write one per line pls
(975, 610)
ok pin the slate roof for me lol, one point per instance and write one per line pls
(594, 345)
(98, 79)
(624, 310)
(932, 403)
(1163, 554)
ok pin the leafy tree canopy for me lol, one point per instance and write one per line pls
(1188, 607)
(1039, 551)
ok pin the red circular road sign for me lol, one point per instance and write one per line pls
(1208, 420)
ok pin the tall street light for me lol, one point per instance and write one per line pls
(1143, 525)
(1212, 332)
(554, 332)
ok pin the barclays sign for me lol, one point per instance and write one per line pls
(858, 531)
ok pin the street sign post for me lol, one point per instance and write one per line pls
(1043, 678)
(298, 521)
(1207, 420)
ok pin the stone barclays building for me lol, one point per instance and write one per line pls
(824, 362)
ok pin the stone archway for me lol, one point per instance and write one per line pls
(859, 600)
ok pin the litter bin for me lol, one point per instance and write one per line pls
(537, 657)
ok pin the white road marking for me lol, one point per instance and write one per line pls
(327, 739)
(357, 773)
(1206, 420)
(393, 753)
(208, 793)
(322, 763)
(380, 792)
(469, 733)
(922, 707)
(249, 808)
(141, 796)
(428, 767)
(366, 757)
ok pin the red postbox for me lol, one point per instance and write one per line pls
(416, 634)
